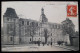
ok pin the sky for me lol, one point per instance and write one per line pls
(55, 11)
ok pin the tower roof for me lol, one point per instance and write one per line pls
(43, 17)
(10, 12)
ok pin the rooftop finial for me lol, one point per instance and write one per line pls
(42, 9)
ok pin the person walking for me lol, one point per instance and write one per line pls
(51, 44)
(43, 43)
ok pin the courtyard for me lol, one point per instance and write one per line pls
(35, 47)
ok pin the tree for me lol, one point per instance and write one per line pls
(32, 30)
(45, 34)
(67, 29)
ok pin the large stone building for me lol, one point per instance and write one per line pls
(11, 27)
(23, 31)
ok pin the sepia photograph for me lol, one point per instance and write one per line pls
(39, 26)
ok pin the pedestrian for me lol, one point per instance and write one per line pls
(39, 43)
(47, 44)
(43, 44)
(51, 44)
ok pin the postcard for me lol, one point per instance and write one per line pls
(39, 26)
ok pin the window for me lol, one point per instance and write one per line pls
(39, 39)
(20, 39)
(35, 39)
(53, 26)
(11, 27)
(7, 19)
(37, 24)
(7, 28)
(39, 33)
(14, 20)
(26, 30)
(51, 34)
(22, 22)
(59, 27)
(30, 39)
(51, 39)
(11, 39)
(27, 22)
(32, 23)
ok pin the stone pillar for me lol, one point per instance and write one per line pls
(67, 39)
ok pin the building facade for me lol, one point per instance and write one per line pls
(10, 27)
(25, 31)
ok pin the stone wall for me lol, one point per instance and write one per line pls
(76, 41)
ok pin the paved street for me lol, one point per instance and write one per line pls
(34, 48)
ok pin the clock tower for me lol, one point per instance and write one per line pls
(43, 18)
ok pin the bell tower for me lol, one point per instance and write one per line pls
(43, 18)
(42, 11)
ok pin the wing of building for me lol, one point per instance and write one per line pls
(26, 31)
